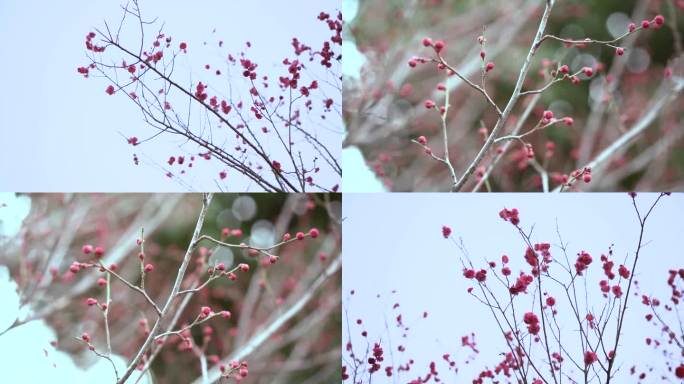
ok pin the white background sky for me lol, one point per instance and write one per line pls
(394, 241)
(60, 132)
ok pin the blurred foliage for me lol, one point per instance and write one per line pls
(388, 33)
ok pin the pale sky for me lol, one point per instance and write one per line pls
(61, 132)
(394, 242)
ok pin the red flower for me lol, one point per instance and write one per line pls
(532, 322)
(617, 291)
(510, 215)
(110, 90)
(446, 231)
(679, 371)
(589, 357)
(205, 311)
(623, 271)
(583, 261)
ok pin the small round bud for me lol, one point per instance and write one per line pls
(659, 20)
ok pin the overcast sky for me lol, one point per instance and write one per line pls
(61, 132)
(394, 242)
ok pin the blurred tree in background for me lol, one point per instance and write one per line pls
(305, 348)
(383, 102)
